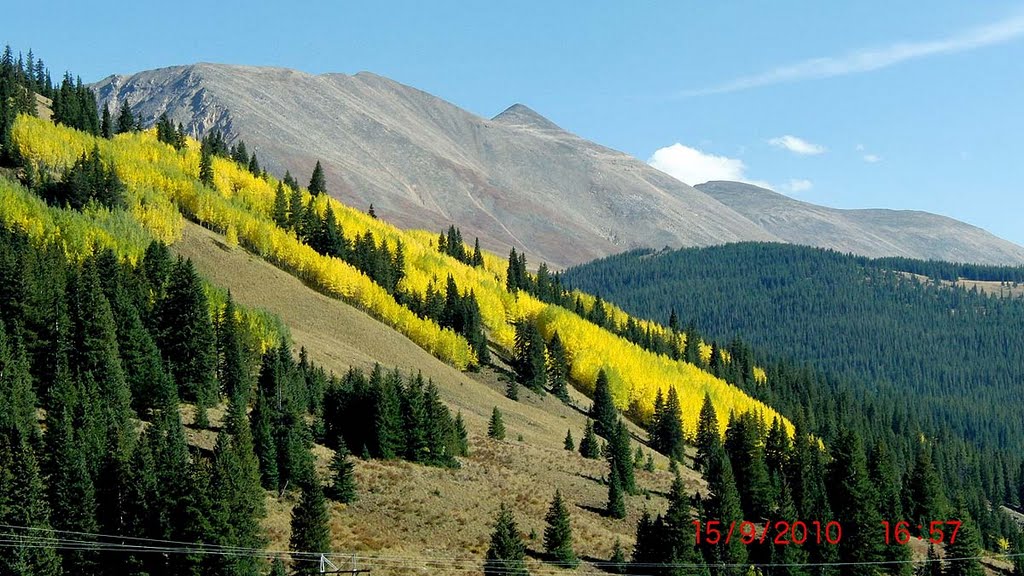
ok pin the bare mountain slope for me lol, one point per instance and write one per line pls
(517, 179)
(873, 233)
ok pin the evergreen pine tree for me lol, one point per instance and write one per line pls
(462, 435)
(23, 502)
(277, 568)
(723, 505)
(927, 500)
(206, 166)
(263, 442)
(280, 209)
(371, 212)
(231, 362)
(310, 530)
(777, 447)
(883, 476)
(125, 120)
(513, 281)
(616, 507)
(709, 439)
(558, 534)
(414, 422)
(603, 411)
(617, 563)
(343, 482)
(589, 447)
(742, 444)
(106, 124)
(620, 457)
(317, 182)
(966, 546)
(569, 444)
(854, 504)
(933, 563)
(670, 428)
(512, 389)
(506, 556)
(678, 535)
(478, 255)
(528, 352)
(496, 427)
(72, 493)
(295, 211)
(558, 368)
(186, 335)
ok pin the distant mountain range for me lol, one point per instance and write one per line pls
(516, 179)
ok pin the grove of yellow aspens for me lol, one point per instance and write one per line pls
(240, 205)
(80, 234)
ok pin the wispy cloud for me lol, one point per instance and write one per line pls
(872, 158)
(868, 59)
(797, 185)
(797, 145)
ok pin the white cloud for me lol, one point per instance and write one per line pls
(797, 145)
(872, 158)
(868, 59)
(859, 147)
(692, 166)
(797, 185)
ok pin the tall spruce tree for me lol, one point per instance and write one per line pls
(558, 368)
(280, 209)
(743, 445)
(927, 499)
(343, 481)
(620, 457)
(528, 352)
(723, 505)
(709, 439)
(125, 119)
(616, 506)
(106, 123)
(23, 502)
(462, 435)
(186, 335)
(506, 556)
(206, 166)
(72, 493)
(231, 356)
(677, 529)
(667, 428)
(310, 529)
(317, 182)
(589, 447)
(963, 552)
(496, 427)
(603, 409)
(558, 533)
(569, 444)
(854, 502)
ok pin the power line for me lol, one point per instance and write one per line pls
(25, 537)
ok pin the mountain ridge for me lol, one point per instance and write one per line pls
(872, 232)
(517, 179)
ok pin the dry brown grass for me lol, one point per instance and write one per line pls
(406, 510)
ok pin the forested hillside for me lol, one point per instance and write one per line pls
(117, 360)
(953, 356)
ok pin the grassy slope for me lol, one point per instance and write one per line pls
(410, 510)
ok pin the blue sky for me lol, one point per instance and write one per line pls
(866, 104)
